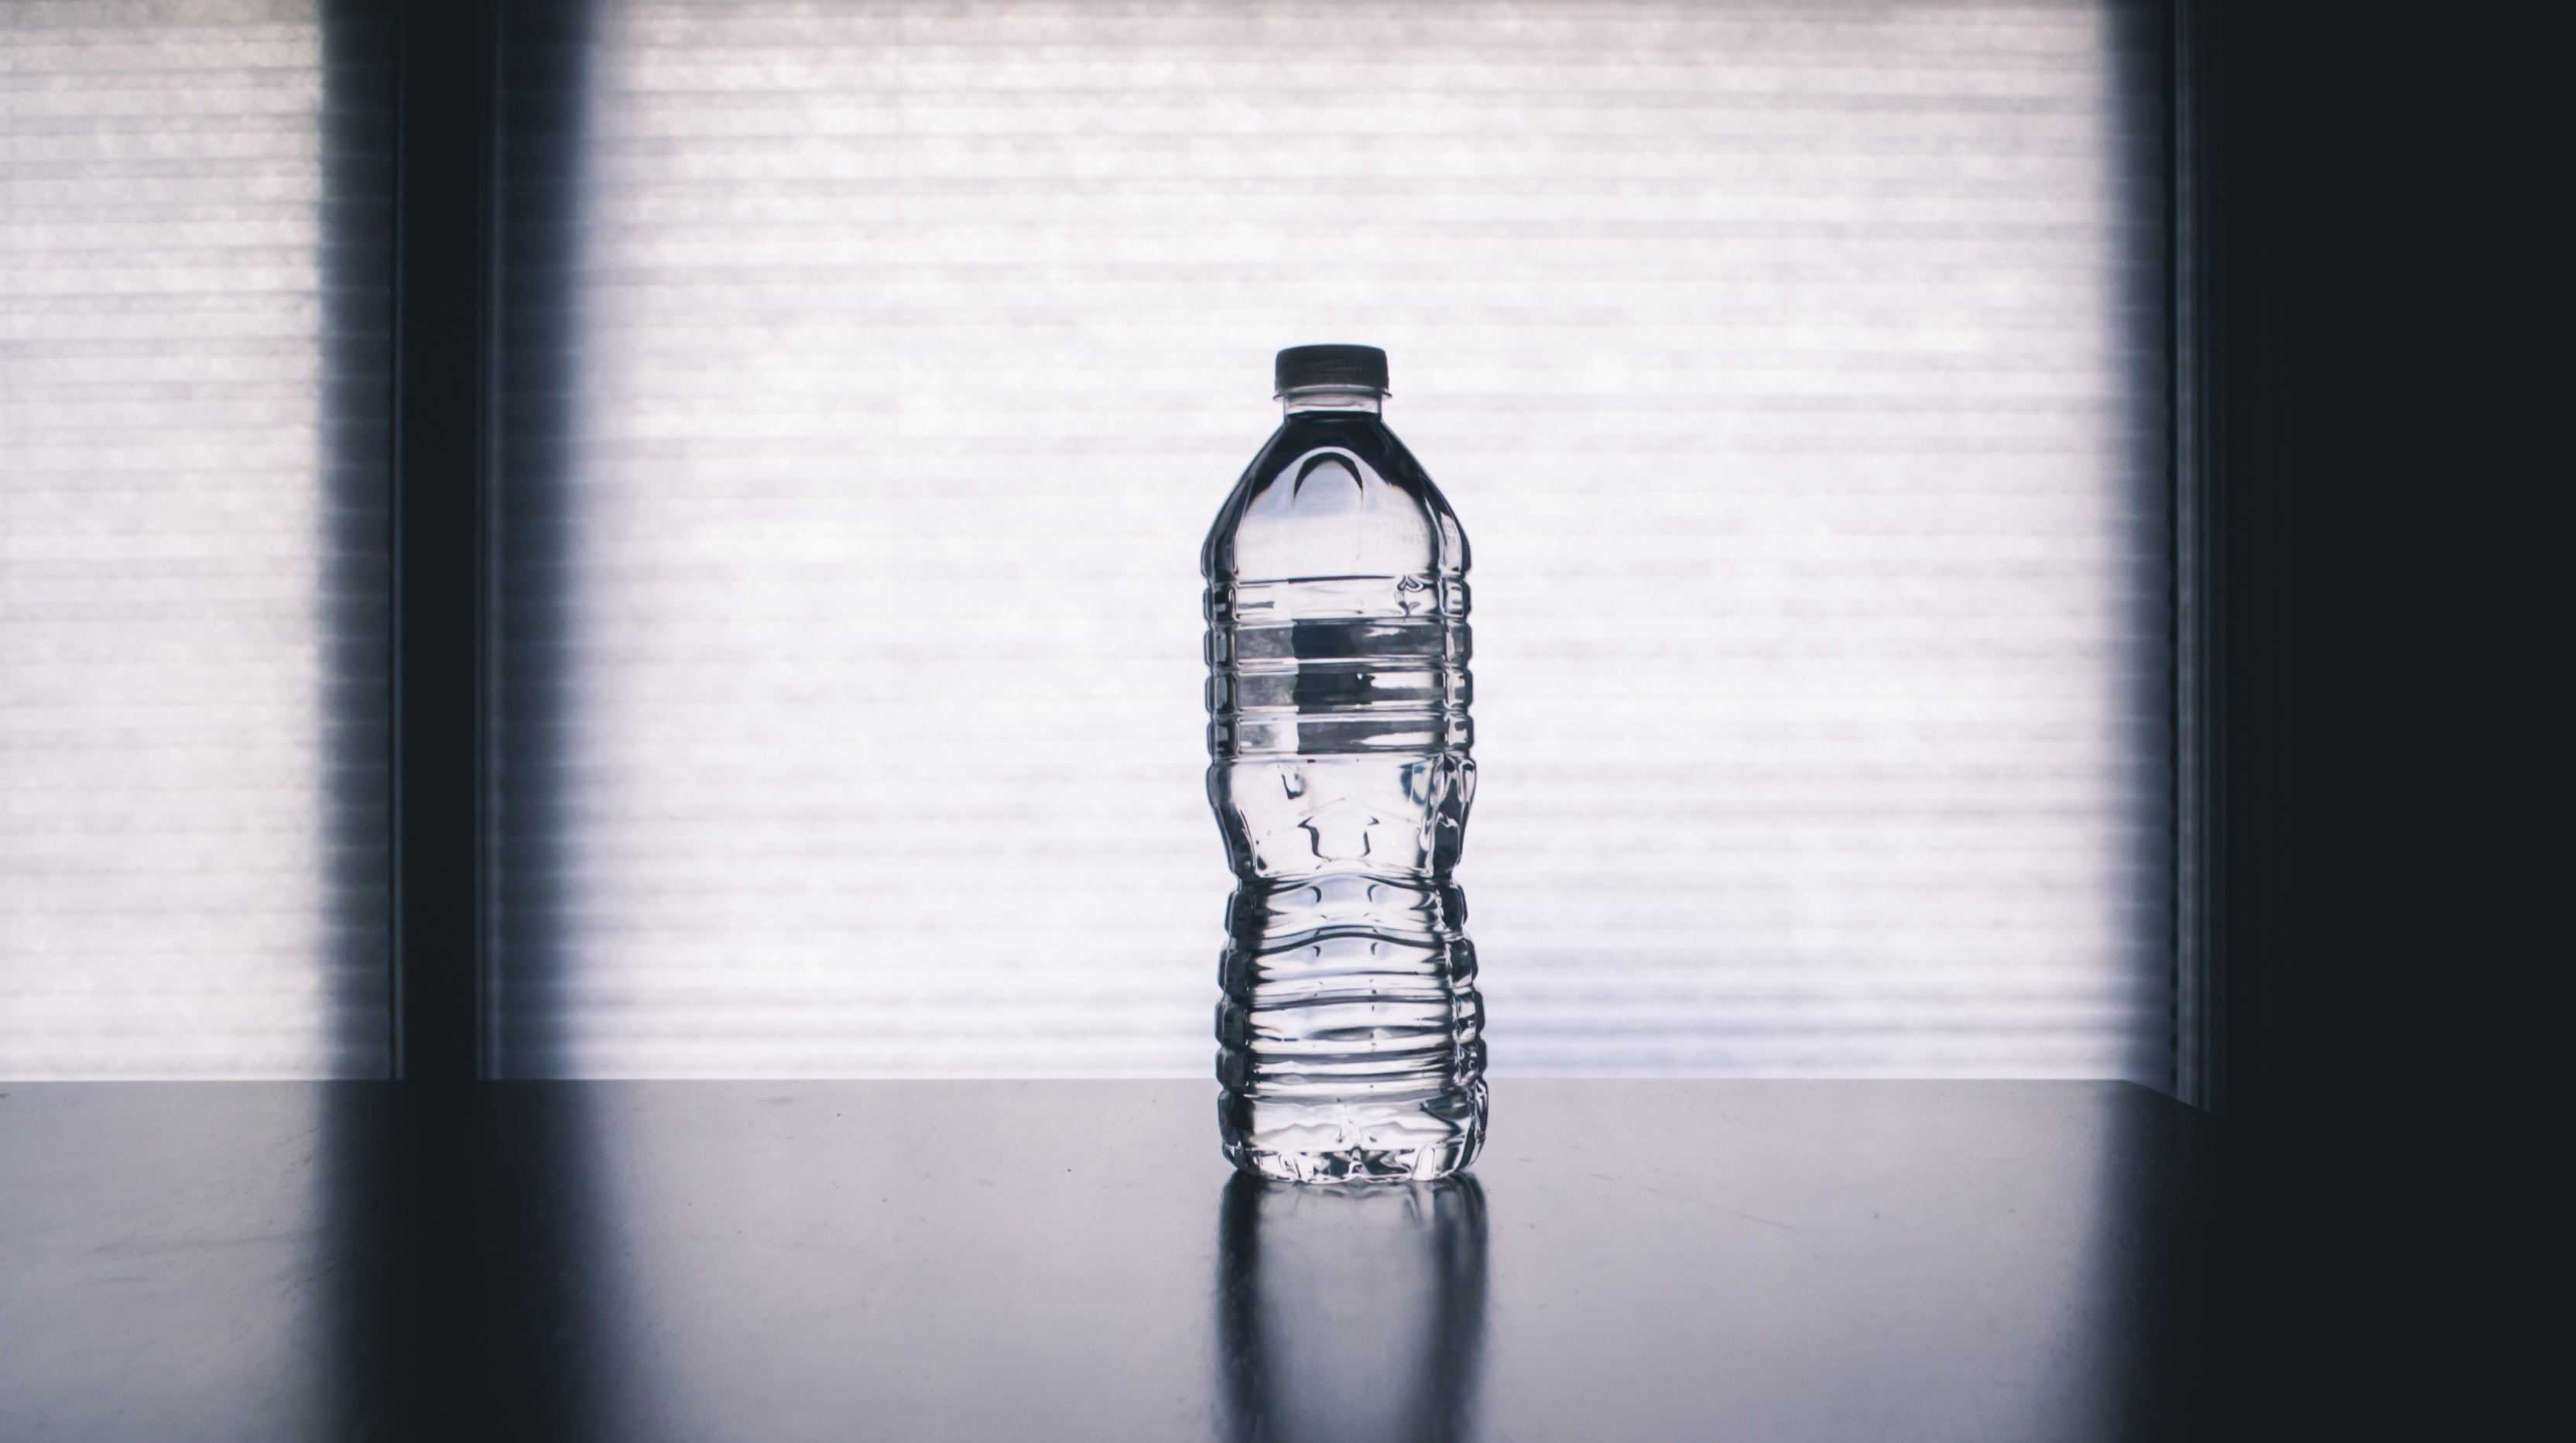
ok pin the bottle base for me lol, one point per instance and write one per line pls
(1376, 1140)
(1356, 1165)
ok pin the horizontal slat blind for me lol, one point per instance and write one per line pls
(1796, 370)
(191, 543)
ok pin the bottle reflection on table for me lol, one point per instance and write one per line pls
(1352, 1314)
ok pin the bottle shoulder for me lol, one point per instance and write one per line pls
(1333, 494)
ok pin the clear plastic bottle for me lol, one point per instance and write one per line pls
(1350, 1036)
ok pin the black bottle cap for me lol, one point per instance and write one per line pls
(1353, 366)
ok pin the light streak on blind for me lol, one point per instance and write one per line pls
(191, 543)
(1796, 369)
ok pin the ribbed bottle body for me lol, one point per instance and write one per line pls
(1350, 1033)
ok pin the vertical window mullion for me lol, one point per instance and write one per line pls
(442, 341)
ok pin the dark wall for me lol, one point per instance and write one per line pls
(2374, 387)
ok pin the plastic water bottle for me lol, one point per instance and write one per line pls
(1350, 1037)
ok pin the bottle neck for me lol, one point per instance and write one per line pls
(1333, 398)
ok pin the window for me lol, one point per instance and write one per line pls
(193, 870)
(864, 378)
(1798, 372)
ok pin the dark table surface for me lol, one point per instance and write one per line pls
(1071, 1260)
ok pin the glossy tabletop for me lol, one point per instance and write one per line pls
(1071, 1260)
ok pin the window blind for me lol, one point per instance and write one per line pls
(1797, 371)
(192, 407)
